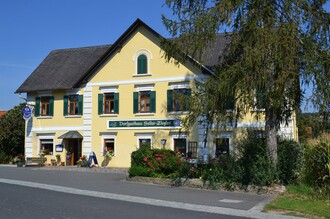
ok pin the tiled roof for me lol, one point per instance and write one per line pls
(2, 112)
(68, 68)
(61, 69)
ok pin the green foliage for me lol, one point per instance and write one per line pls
(256, 167)
(156, 162)
(12, 127)
(138, 171)
(4, 158)
(317, 166)
(290, 161)
(274, 47)
(316, 121)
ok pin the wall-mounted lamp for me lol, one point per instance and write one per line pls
(163, 141)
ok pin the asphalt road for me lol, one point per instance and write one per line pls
(30, 192)
(25, 202)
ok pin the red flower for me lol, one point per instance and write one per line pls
(149, 164)
(145, 159)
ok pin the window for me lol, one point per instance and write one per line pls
(108, 103)
(47, 146)
(222, 147)
(142, 64)
(44, 106)
(178, 100)
(192, 149)
(260, 99)
(109, 144)
(180, 146)
(144, 102)
(144, 142)
(73, 105)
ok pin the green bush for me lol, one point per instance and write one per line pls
(4, 158)
(138, 171)
(157, 162)
(317, 166)
(290, 161)
(253, 160)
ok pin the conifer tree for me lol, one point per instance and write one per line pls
(275, 49)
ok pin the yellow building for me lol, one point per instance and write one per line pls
(118, 97)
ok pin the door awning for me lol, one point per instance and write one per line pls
(71, 135)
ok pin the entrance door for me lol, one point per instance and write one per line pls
(73, 151)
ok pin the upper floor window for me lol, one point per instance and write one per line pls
(178, 100)
(142, 60)
(108, 103)
(142, 64)
(44, 106)
(260, 99)
(73, 105)
(144, 102)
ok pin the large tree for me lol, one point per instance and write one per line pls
(276, 48)
(12, 126)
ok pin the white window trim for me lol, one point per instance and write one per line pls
(108, 136)
(109, 89)
(179, 85)
(105, 90)
(43, 136)
(181, 136)
(144, 87)
(224, 135)
(148, 54)
(139, 136)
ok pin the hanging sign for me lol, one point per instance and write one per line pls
(26, 112)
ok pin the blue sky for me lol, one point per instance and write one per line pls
(31, 29)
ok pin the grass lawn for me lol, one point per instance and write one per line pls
(298, 201)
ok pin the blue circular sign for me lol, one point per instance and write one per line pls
(27, 112)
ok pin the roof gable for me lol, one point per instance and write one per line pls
(70, 68)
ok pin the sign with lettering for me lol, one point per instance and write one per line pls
(152, 123)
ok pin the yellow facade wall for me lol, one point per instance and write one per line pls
(119, 73)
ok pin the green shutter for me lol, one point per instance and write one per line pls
(142, 64)
(153, 101)
(169, 100)
(80, 104)
(37, 107)
(116, 97)
(65, 105)
(51, 106)
(135, 102)
(100, 104)
(261, 103)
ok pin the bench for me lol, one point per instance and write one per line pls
(35, 161)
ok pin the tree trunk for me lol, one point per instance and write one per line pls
(271, 131)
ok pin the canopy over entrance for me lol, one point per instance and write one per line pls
(71, 135)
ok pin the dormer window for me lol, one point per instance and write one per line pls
(142, 64)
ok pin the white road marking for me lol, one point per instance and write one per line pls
(232, 201)
(148, 201)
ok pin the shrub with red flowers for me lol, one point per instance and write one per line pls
(154, 163)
